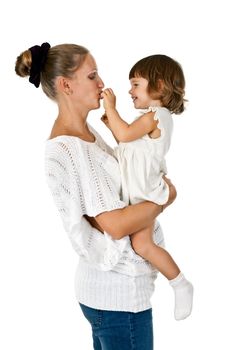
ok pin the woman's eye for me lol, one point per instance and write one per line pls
(92, 76)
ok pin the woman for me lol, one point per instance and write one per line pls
(113, 284)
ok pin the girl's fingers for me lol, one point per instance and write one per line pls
(108, 91)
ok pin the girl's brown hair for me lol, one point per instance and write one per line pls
(166, 80)
(62, 60)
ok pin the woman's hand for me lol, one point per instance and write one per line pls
(172, 192)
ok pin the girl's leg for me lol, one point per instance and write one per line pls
(117, 330)
(144, 246)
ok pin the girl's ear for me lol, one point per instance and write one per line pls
(156, 95)
(63, 85)
(160, 84)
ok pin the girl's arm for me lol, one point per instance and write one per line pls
(121, 130)
(123, 222)
(105, 120)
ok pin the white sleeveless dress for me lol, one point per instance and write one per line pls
(142, 163)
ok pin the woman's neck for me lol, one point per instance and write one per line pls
(72, 125)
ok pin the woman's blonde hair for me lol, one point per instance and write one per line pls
(61, 60)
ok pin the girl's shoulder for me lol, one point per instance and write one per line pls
(163, 116)
(162, 112)
(159, 112)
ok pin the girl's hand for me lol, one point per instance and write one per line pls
(109, 99)
(105, 120)
(172, 192)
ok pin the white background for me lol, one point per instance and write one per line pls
(38, 309)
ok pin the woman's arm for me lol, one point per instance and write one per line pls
(123, 222)
(121, 130)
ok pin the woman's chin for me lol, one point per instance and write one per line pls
(96, 105)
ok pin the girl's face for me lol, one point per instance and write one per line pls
(139, 93)
(87, 85)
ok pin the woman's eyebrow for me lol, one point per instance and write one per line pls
(92, 71)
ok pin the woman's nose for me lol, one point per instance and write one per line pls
(101, 83)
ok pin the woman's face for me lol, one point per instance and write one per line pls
(87, 85)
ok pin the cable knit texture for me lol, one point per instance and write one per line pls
(84, 178)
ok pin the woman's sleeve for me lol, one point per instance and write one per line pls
(80, 186)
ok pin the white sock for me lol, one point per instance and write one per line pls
(183, 290)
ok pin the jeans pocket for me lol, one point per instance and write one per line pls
(94, 316)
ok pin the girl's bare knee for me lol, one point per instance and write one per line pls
(141, 247)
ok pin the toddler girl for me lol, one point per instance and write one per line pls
(157, 87)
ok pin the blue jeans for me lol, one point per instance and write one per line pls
(117, 330)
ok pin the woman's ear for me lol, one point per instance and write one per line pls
(63, 85)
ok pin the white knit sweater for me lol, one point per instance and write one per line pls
(84, 178)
